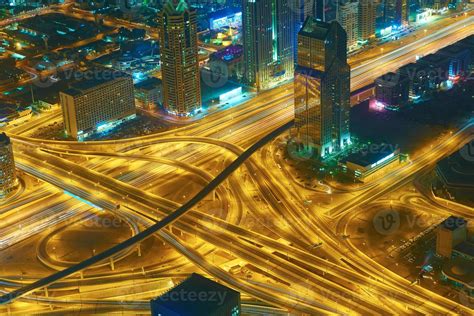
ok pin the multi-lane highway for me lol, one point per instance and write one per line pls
(333, 278)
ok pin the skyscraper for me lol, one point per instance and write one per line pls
(395, 12)
(268, 31)
(177, 24)
(348, 17)
(367, 13)
(8, 179)
(322, 87)
(302, 10)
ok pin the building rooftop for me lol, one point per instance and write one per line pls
(194, 284)
(453, 223)
(465, 247)
(100, 77)
(456, 170)
(434, 59)
(391, 78)
(367, 157)
(460, 270)
(315, 28)
(4, 139)
(453, 50)
(148, 84)
(175, 7)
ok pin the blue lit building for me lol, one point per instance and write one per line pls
(197, 296)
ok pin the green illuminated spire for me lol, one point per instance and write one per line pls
(176, 7)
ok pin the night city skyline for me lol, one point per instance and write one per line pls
(237, 157)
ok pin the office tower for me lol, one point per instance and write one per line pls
(177, 25)
(348, 17)
(8, 181)
(450, 233)
(319, 12)
(367, 13)
(322, 87)
(268, 31)
(302, 10)
(97, 105)
(396, 12)
(207, 298)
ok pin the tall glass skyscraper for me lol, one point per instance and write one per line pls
(396, 12)
(322, 87)
(367, 13)
(268, 30)
(179, 58)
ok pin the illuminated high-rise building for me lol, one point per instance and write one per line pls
(322, 87)
(396, 12)
(97, 105)
(367, 14)
(8, 181)
(179, 58)
(268, 34)
(348, 17)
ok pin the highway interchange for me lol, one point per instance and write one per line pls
(256, 214)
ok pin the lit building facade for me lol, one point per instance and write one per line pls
(177, 25)
(148, 95)
(348, 17)
(392, 90)
(8, 181)
(322, 87)
(268, 35)
(396, 12)
(94, 106)
(367, 14)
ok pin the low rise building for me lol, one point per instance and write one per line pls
(455, 175)
(148, 93)
(97, 105)
(372, 162)
(392, 90)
